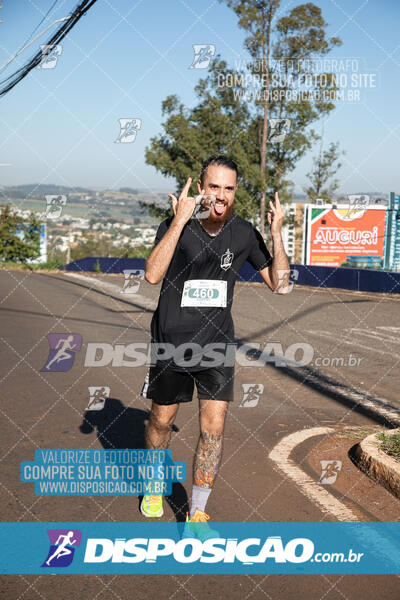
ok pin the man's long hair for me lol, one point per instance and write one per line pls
(219, 161)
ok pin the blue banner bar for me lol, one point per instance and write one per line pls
(157, 548)
(96, 472)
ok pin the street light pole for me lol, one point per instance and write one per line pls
(69, 247)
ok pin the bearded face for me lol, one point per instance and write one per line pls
(221, 183)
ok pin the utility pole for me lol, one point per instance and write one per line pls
(69, 247)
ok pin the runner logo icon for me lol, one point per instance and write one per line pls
(128, 130)
(54, 206)
(98, 396)
(226, 260)
(62, 351)
(203, 54)
(62, 547)
(50, 54)
(251, 394)
(330, 470)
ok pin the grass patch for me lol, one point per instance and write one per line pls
(50, 265)
(390, 443)
(358, 433)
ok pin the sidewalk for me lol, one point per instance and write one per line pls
(378, 465)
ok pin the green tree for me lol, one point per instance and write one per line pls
(218, 124)
(325, 165)
(136, 252)
(228, 120)
(280, 51)
(19, 238)
(54, 253)
(256, 18)
(102, 247)
(91, 247)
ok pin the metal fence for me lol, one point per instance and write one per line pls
(363, 280)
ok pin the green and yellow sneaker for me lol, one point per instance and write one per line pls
(151, 506)
(197, 527)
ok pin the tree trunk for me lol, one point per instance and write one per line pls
(263, 149)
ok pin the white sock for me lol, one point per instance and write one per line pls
(149, 481)
(199, 498)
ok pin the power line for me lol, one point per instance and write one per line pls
(44, 18)
(29, 43)
(12, 80)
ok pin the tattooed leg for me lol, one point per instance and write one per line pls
(209, 448)
(207, 459)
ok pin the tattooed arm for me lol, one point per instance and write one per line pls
(207, 459)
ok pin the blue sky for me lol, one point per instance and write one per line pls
(125, 56)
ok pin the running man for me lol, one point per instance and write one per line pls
(62, 549)
(192, 255)
(62, 346)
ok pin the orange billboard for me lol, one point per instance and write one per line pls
(333, 234)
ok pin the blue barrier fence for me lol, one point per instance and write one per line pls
(363, 280)
(106, 265)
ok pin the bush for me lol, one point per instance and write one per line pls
(52, 264)
(19, 238)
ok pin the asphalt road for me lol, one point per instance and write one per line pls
(348, 388)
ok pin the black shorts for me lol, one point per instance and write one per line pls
(165, 386)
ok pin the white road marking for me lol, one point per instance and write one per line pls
(376, 335)
(354, 342)
(380, 406)
(315, 492)
(115, 289)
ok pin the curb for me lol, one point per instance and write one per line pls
(377, 464)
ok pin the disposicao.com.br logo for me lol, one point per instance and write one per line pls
(216, 550)
(169, 547)
(192, 550)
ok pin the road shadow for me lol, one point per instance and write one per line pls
(106, 294)
(47, 315)
(121, 427)
(295, 317)
(376, 409)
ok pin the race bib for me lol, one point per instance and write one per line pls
(204, 292)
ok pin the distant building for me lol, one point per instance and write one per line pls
(292, 231)
(364, 262)
(288, 230)
(391, 253)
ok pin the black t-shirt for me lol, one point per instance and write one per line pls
(200, 256)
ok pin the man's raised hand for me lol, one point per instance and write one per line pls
(275, 215)
(183, 207)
